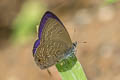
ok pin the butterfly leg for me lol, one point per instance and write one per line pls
(50, 74)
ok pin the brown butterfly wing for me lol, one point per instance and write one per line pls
(54, 43)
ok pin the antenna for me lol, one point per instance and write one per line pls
(75, 38)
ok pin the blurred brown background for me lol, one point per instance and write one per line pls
(95, 21)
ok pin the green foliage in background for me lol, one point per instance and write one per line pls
(110, 1)
(24, 25)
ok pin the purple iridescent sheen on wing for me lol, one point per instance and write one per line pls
(46, 16)
(36, 44)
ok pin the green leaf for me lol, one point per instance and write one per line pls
(71, 69)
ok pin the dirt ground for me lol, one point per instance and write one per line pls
(100, 56)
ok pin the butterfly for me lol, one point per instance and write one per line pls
(53, 43)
